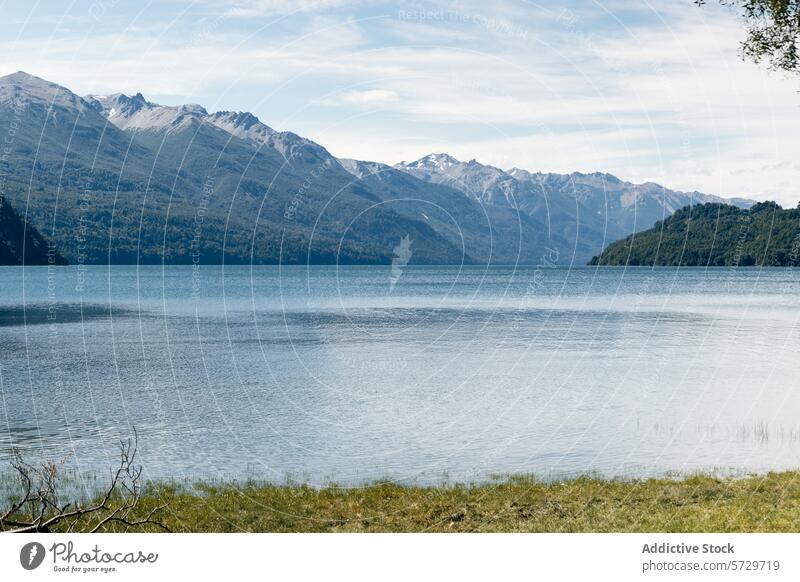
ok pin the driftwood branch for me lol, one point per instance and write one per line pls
(37, 508)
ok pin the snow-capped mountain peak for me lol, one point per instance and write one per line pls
(243, 125)
(137, 113)
(442, 162)
(484, 182)
(23, 87)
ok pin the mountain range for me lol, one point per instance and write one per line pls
(119, 179)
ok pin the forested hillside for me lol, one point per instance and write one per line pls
(713, 235)
(20, 245)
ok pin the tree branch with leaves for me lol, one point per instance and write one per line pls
(773, 28)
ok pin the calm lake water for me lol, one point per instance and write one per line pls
(350, 375)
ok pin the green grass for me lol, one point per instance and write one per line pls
(768, 503)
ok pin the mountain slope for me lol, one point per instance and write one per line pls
(495, 234)
(713, 234)
(23, 245)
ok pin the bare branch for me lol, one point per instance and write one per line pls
(116, 506)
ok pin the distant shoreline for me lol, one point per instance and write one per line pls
(412, 266)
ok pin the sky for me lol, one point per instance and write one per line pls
(648, 91)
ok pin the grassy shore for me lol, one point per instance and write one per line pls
(769, 503)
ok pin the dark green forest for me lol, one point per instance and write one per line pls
(713, 235)
(23, 246)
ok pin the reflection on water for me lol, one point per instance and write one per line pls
(327, 374)
(55, 313)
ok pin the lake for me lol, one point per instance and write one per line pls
(430, 374)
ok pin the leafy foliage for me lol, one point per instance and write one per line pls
(713, 235)
(773, 28)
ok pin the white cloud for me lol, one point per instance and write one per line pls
(256, 8)
(370, 97)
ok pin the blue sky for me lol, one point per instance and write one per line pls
(647, 91)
